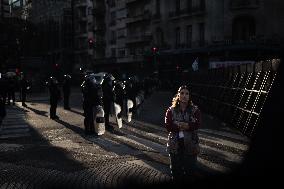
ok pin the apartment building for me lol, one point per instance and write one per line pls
(216, 30)
(84, 33)
(53, 34)
(4, 9)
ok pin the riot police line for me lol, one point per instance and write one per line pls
(104, 99)
(107, 99)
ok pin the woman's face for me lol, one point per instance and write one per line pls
(184, 96)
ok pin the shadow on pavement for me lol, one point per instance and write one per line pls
(74, 128)
(33, 160)
(76, 112)
(39, 112)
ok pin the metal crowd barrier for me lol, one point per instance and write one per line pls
(236, 94)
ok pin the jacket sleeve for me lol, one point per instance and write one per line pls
(197, 122)
(169, 124)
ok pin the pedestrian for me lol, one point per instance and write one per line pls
(2, 109)
(66, 87)
(11, 89)
(108, 98)
(182, 121)
(119, 93)
(55, 96)
(24, 87)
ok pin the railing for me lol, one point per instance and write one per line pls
(244, 4)
(188, 12)
(235, 94)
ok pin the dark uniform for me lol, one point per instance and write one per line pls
(66, 91)
(2, 101)
(24, 86)
(92, 96)
(108, 98)
(130, 92)
(119, 93)
(55, 96)
(11, 89)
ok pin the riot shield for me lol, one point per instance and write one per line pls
(139, 100)
(99, 120)
(129, 109)
(117, 111)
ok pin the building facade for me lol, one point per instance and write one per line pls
(183, 30)
(217, 30)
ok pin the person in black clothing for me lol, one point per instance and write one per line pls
(24, 87)
(119, 93)
(92, 96)
(55, 96)
(2, 102)
(11, 89)
(108, 98)
(3, 88)
(66, 91)
(130, 92)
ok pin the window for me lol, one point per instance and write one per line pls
(202, 5)
(177, 31)
(243, 28)
(121, 53)
(159, 36)
(188, 35)
(201, 34)
(177, 5)
(189, 5)
(113, 53)
(158, 4)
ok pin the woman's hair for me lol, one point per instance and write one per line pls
(175, 101)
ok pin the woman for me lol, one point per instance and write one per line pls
(182, 121)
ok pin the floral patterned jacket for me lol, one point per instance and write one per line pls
(192, 116)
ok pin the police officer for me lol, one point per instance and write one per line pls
(130, 92)
(66, 91)
(11, 89)
(92, 96)
(108, 98)
(55, 96)
(24, 87)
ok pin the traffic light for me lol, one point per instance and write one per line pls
(154, 50)
(91, 43)
(17, 71)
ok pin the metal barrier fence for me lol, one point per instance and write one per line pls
(236, 94)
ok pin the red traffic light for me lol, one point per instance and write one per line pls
(91, 41)
(154, 49)
(17, 71)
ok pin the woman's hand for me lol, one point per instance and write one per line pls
(183, 126)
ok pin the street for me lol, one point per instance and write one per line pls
(43, 153)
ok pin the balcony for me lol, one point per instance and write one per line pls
(113, 41)
(100, 28)
(146, 15)
(81, 3)
(244, 4)
(196, 11)
(131, 1)
(100, 43)
(157, 16)
(139, 38)
(254, 41)
(99, 11)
